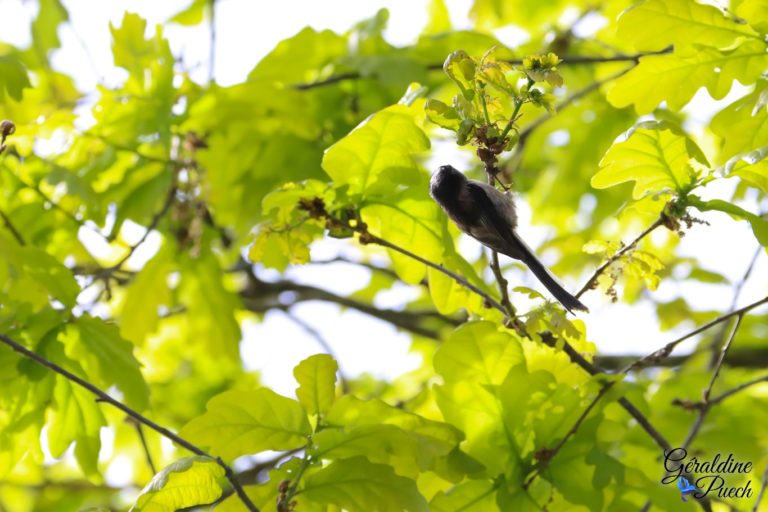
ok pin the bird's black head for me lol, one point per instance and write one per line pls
(446, 184)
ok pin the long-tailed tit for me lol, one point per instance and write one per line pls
(488, 215)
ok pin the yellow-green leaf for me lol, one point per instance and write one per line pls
(244, 422)
(743, 125)
(655, 157)
(376, 153)
(675, 78)
(656, 24)
(357, 485)
(187, 483)
(759, 224)
(410, 220)
(316, 376)
(756, 14)
(106, 357)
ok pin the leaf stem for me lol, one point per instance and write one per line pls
(519, 100)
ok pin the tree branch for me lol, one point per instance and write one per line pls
(144, 445)
(489, 300)
(550, 454)
(103, 397)
(705, 395)
(156, 218)
(763, 485)
(12, 228)
(737, 389)
(738, 357)
(592, 281)
(316, 208)
(566, 59)
(259, 296)
(717, 340)
(633, 411)
(667, 349)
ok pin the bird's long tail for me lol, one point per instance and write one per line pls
(568, 301)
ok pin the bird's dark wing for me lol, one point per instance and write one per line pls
(490, 227)
(496, 232)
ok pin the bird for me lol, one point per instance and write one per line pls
(488, 215)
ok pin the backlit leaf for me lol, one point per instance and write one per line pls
(360, 486)
(241, 422)
(316, 376)
(188, 482)
(655, 157)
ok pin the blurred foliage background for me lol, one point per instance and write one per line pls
(150, 223)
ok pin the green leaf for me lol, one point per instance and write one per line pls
(448, 295)
(51, 13)
(439, 18)
(743, 125)
(759, 224)
(316, 376)
(358, 485)
(442, 114)
(473, 362)
(411, 220)
(243, 422)
(675, 78)
(106, 357)
(13, 77)
(656, 24)
(211, 306)
(193, 14)
(382, 147)
(409, 452)
(751, 167)
(148, 291)
(188, 482)
(460, 67)
(79, 419)
(300, 58)
(756, 14)
(131, 50)
(654, 156)
(470, 496)
(41, 269)
(75, 416)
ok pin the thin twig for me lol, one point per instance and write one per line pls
(717, 340)
(495, 267)
(456, 277)
(708, 390)
(103, 397)
(576, 96)
(738, 357)
(554, 451)
(156, 218)
(737, 389)
(56, 206)
(567, 59)
(12, 228)
(633, 411)
(517, 157)
(145, 446)
(763, 485)
(667, 349)
(592, 281)
(317, 209)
